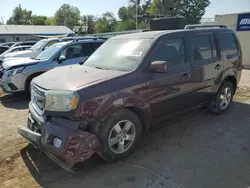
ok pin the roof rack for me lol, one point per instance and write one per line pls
(89, 38)
(204, 26)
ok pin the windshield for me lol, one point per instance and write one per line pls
(38, 45)
(48, 53)
(119, 54)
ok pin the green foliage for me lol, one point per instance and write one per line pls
(106, 23)
(67, 15)
(192, 10)
(126, 25)
(50, 21)
(20, 16)
(90, 22)
(39, 20)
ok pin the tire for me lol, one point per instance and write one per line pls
(216, 105)
(111, 140)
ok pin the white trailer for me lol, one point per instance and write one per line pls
(239, 22)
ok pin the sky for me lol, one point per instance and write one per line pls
(97, 7)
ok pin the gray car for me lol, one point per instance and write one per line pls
(16, 74)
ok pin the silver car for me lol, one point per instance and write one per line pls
(16, 74)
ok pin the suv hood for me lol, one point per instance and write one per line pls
(24, 53)
(74, 77)
(18, 62)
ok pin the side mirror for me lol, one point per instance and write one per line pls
(61, 59)
(158, 67)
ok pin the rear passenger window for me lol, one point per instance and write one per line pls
(201, 47)
(228, 43)
(172, 51)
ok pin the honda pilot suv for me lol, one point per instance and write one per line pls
(18, 73)
(131, 82)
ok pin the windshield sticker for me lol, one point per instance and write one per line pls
(133, 53)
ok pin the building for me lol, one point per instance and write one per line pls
(9, 33)
(240, 23)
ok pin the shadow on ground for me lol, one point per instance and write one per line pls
(195, 149)
(16, 101)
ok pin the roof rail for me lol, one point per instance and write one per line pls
(204, 26)
(88, 38)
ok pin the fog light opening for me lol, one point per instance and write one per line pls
(57, 142)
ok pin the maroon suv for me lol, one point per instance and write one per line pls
(128, 84)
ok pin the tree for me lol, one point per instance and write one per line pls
(89, 21)
(50, 21)
(126, 25)
(107, 23)
(39, 20)
(20, 16)
(192, 10)
(67, 15)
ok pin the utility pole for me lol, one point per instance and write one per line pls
(136, 17)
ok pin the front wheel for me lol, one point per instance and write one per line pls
(223, 98)
(119, 135)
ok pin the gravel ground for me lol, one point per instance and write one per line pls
(197, 149)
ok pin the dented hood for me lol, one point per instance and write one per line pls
(74, 77)
(18, 62)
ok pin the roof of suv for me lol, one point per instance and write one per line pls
(77, 42)
(155, 34)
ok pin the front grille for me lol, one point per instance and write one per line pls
(38, 98)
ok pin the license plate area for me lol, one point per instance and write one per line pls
(33, 125)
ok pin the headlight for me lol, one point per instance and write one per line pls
(61, 101)
(13, 72)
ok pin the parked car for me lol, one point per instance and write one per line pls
(9, 44)
(25, 43)
(131, 82)
(34, 50)
(3, 49)
(18, 73)
(13, 49)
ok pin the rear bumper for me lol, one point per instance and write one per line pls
(76, 146)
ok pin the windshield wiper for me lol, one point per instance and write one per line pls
(101, 68)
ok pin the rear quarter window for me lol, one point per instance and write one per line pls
(228, 43)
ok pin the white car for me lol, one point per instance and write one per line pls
(34, 50)
(13, 49)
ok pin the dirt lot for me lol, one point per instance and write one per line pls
(196, 149)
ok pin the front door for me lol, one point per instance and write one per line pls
(74, 54)
(168, 93)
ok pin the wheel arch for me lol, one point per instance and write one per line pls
(233, 80)
(30, 77)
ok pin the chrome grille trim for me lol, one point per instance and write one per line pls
(38, 96)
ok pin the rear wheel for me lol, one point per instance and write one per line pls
(119, 135)
(223, 98)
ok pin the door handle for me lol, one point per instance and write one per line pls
(185, 76)
(218, 66)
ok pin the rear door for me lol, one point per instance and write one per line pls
(168, 93)
(207, 65)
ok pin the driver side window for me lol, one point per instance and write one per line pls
(172, 51)
(71, 52)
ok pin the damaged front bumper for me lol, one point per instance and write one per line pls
(64, 146)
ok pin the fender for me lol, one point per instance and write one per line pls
(101, 108)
